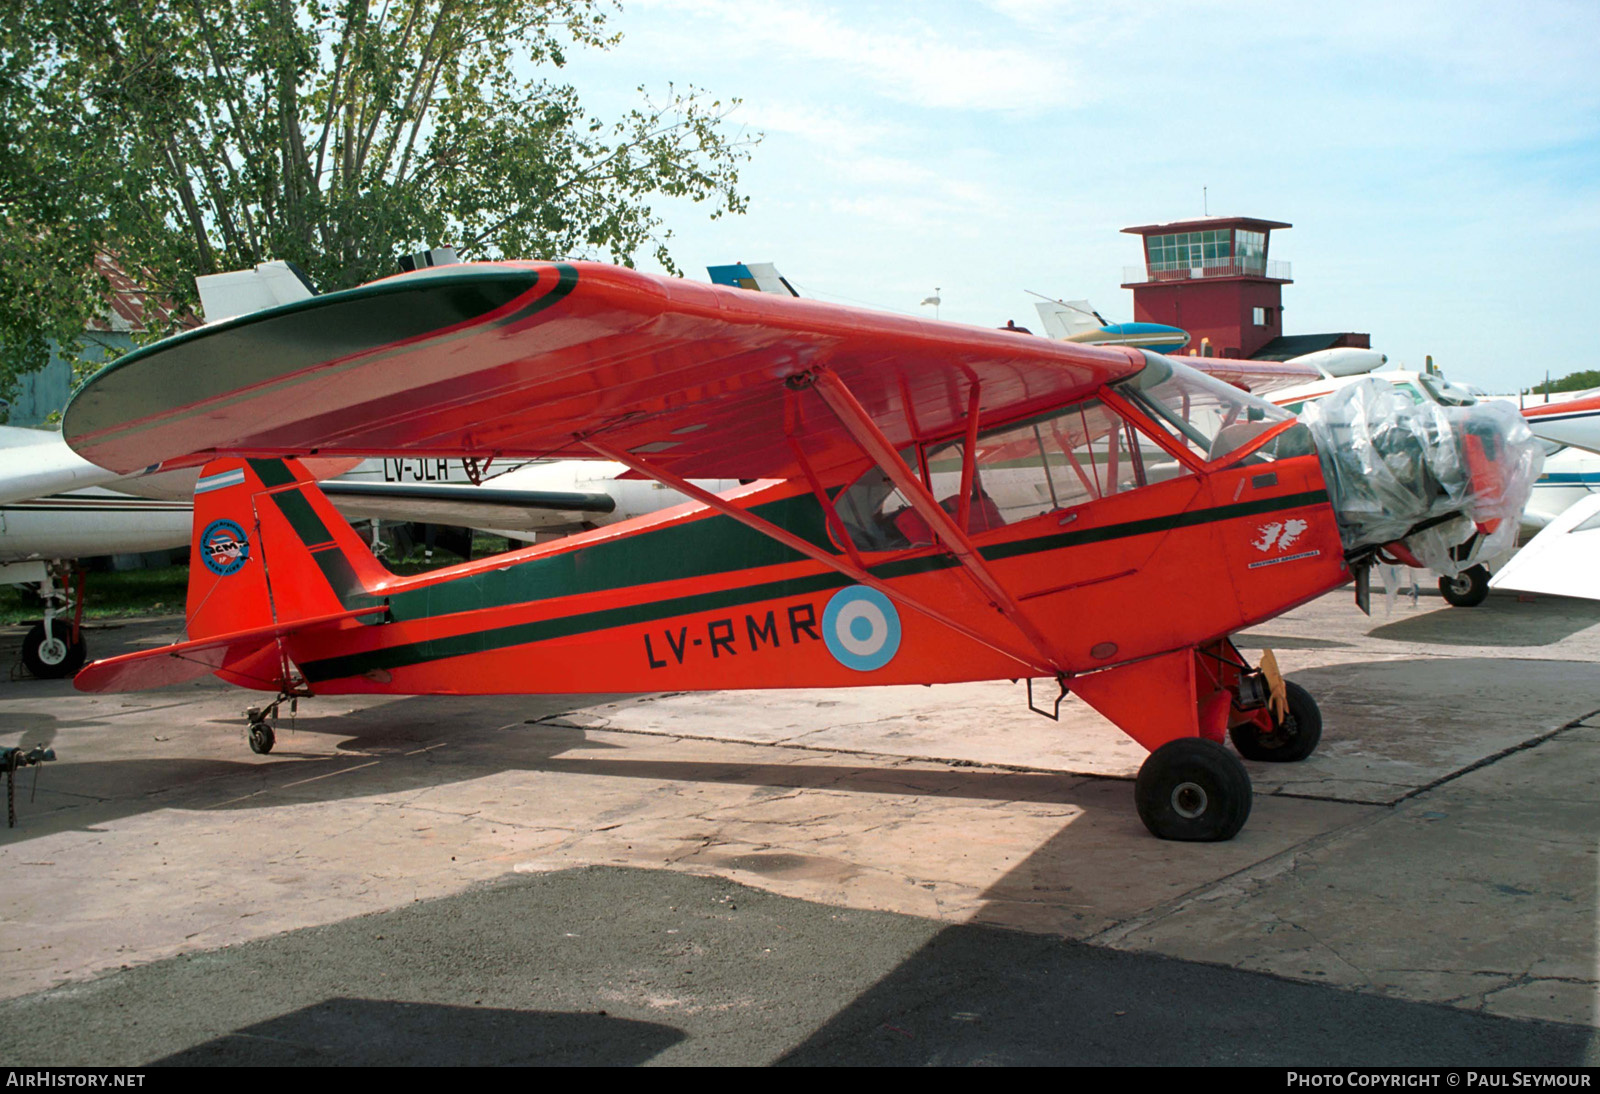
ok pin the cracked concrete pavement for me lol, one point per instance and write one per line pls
(1440, 847)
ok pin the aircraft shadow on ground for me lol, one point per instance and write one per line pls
(373, 1032)
(984, 995)
(1498, 621)
(424, 741)
(95, 793)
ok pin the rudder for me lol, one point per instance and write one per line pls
(268, 548)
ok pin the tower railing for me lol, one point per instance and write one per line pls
(1271, 269)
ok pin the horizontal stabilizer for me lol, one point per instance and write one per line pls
(490, 498)
(486, 506)
(184, 661)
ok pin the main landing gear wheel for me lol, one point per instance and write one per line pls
(54, 655)
(262, 738)
(1293, 738)
(1467, 589)
(1194, 790)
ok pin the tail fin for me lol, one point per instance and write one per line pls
(1063, 319)
(269, 549)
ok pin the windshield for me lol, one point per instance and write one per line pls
(1209, 417)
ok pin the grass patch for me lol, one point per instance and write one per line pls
(109, 595)
(119, 594)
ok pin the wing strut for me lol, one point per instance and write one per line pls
(854, 417)
(1033, 660)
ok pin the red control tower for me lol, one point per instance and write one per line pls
(1212, 277)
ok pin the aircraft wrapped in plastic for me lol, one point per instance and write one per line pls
(1446, 483)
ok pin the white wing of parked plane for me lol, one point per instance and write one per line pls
(38, 462)
(1561, 560)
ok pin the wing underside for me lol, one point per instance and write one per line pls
(534, 359)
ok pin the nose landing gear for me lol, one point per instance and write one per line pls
(1467, 589)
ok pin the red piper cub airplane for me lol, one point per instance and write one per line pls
(926, 502)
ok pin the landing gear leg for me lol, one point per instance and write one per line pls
(54, 648)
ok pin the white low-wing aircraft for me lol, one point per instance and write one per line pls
(54, 508)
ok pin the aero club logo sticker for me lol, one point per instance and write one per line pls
(862, 628)
(224, 547)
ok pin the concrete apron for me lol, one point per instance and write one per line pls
(1439, 847)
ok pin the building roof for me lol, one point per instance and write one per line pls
(129, 306)
(1203, 223)
(1286, 346)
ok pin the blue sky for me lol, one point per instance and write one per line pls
(1439, 161)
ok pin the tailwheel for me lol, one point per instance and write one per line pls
(1293, 737)
(262, 738)
(1194, 790)
(1467, 589)
(52, 654)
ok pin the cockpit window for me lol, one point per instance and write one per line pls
(1207, 416)
(1054, 461)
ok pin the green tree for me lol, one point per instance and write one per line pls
(1576, 381)
(185, 137)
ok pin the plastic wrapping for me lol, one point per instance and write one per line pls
(1448, 483)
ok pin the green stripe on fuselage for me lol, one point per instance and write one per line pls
(519, 634)
(640, 559)
(698, 548)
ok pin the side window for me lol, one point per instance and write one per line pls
(1055, 461)
(873, 510)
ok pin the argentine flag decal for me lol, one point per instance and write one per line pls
(862, 628)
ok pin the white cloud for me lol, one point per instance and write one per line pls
(952, 65)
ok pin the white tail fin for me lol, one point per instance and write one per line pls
(1064, 318)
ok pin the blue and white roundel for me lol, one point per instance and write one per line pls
(861, 628)
(224, 547)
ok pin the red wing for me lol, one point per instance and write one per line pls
(526, 359)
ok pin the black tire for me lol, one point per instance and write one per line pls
(1467, 589)
(1193, 790)
(56, 657)
(262, 738)
(1292, 739)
